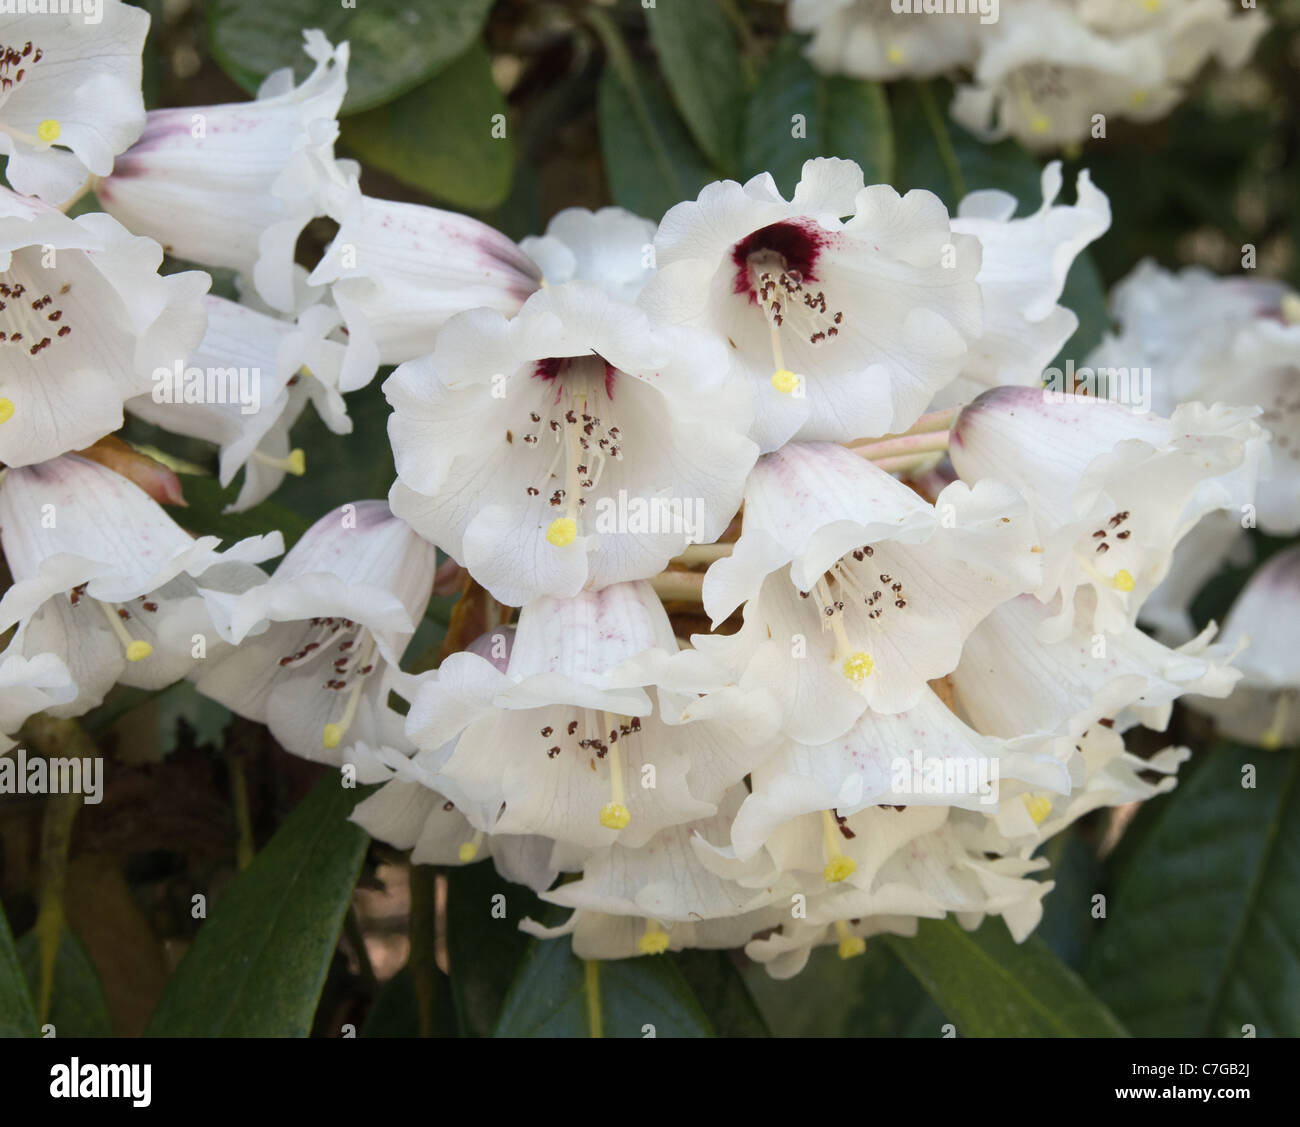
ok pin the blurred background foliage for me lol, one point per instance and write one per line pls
(310, 927)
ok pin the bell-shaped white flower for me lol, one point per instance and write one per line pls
(917, 863)
(84, 319)
(233, 185)
(28, 686)
(1111, 490)
(576, 741)
(612, 248)
(319, 644)
(1023, 269)
(668, 891)
(575, 445)
(858, 591)
(398, 271)
(1265, 708)
(1044, 74)
(870, 39)
(841, 328)
(246, 385)
(104, 578)
(925, 756)
(70, 96)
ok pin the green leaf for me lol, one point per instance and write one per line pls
(1203, 928)
(650, 161)
(698, 56)
(396, 1012)
(841, 117)
(395, 45)
(203, 514)
(77, 1006)
(556, 994)
(990, 986)
(258, 963)
(17, 1013)
(484, 950)
(721, 992)
(440, 136)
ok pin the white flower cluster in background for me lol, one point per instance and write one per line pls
(1037, 70)
(924, 571)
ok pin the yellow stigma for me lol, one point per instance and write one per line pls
(331, 736)
(138, 650)
(48, 130)
(784, 380)
(653, 941)
(850, 944)
(1271, 738)
(1123, 580)
(562, 532)
(1040, 124)
(894, 54)
(1138, 98)
(615, 816)
(858, 666)
(1151, 5)
(6, 410)
(296, 463)
(838, 868)
(1039, 808)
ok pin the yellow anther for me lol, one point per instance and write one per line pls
(894, 54)
(850, 944)
(615, 816)
(1039, 807)
(653, 941)
(858, 666)
(6, 410)
(48, 130)
(138, 650)
(331, 736)
(838, 868)
(1123, 580)
(784, 380)
(562, 532)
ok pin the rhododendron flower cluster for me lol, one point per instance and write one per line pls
(818, 613)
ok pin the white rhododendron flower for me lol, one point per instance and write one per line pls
(858, 592)
(233, 185)
(28, 686)
(1265, 709)
(101, 573)
(610, 248)
(1111, 490)
(398, 271)
(575, 445)
(263, 371)
(869, 39)
(841, 328)
(70, 98)
(319, 644)
(1045, 75)
(84, 319)
(1022, 274)
(567, 745)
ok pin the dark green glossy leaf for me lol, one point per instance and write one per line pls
(721, 992)
(444, 137)
(1202, 936)
(77, 1006)
(795, 114)
(990, 986)
(395, 45)
(259, 961)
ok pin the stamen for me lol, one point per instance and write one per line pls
(850, 944)
(839, 866)
(332, 734)
(469, 849)
(654, 940)
(294, 463)
(136, 648)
